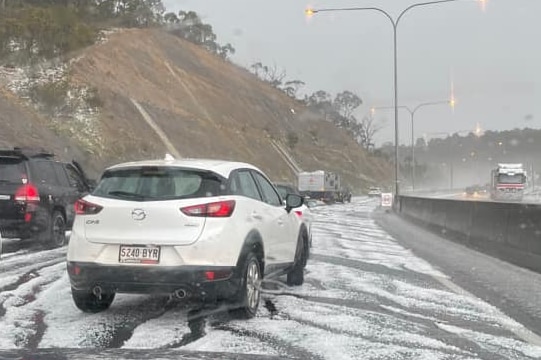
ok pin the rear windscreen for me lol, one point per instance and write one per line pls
(11, 170)
(158, 183)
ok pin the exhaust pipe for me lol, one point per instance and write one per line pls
(97, 291)
(180, 294)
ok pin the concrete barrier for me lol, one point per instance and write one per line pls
(509, 231)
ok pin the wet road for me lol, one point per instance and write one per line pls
(366, 297)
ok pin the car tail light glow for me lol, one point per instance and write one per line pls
(210, 275)
(215, 209)
(299, 213)
(83, 207)
(217, 275)
(27, 193)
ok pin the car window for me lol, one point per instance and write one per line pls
(244, 184)
(158, 183)
(74, 178)
(11, 170)
(61, 174)
(270, 196)
(45, 173)
(283, 191)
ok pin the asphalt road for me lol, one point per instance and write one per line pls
(514, 290)
(366, 296)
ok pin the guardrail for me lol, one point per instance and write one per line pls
(509, 231)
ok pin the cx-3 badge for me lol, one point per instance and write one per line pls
(138, 214)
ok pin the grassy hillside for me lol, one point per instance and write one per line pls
(205, 107)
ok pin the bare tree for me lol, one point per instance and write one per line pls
(366, 129)
(273, 75)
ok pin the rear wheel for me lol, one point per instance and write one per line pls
(90, 303)
(249, 291)
(55, 236)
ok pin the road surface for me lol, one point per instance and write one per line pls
(366, 297)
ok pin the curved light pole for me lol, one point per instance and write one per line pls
(412, 114)
(395, 23)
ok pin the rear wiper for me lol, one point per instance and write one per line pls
(126, 194)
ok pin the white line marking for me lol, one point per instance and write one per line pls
(520, 330)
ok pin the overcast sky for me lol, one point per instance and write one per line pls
(491, 56)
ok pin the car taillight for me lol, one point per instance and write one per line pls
(215, 209)
(27, 193)
(299, 213)
(83, 207)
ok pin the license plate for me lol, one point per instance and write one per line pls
(139, 254)
(5, 197)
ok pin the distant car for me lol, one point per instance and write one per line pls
(313, 203)
(205, 231)
(343, 196)
(475, 190)
(303, 211)
(374, 191)
(37, 195)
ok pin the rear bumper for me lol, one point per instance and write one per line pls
(156, 280)
(19, 229)
(16, 226)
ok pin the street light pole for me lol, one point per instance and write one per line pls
(412, 115)
(395, 24)
(413, 112)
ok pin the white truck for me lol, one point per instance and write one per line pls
(508, 182)
(321, 185)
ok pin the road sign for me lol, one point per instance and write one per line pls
(386, 199)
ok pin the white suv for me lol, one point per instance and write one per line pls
(204, 230)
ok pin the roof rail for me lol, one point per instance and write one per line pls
(31, 152)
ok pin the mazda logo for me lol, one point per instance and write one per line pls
(138, 214)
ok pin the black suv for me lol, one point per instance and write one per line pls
(37, 195)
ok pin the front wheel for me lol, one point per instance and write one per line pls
(249, 291)
(90, 303)
(295, 277)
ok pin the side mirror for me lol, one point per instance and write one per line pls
(293, 201)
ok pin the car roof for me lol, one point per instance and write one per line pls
(27, 153)
(220, 167)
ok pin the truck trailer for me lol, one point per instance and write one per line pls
(321, 185)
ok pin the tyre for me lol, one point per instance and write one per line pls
(55, 235)
(196, 323)
(295, 277)
(249, 293)
(90, 303)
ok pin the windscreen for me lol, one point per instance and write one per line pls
(158, 183)
(11, 170)
(511, 179)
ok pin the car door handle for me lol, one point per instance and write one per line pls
(257, 216)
